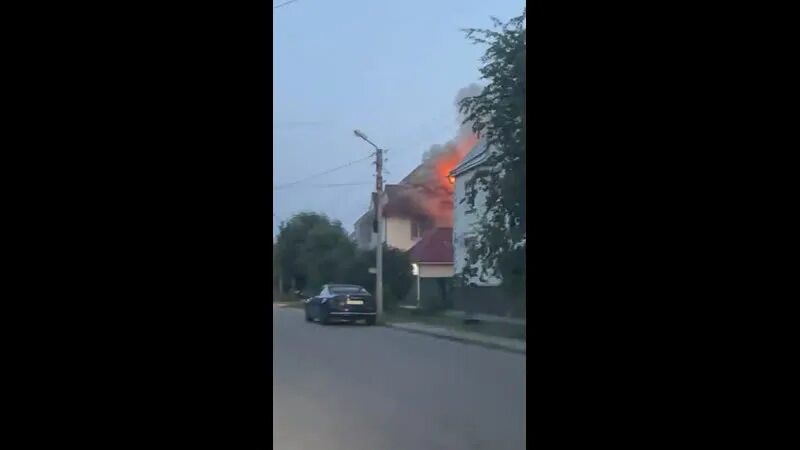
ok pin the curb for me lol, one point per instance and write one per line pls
(491, 345)
(467, 341)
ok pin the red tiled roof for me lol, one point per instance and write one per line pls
(436, 246)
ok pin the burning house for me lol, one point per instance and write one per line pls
(420, 214)
(418, 218)
(420, 202)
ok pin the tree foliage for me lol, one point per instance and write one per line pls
(311, 250)
(275, 271)
(498, 117)
(397, 277)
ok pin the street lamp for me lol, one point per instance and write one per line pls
(363, 136)
(379, 214)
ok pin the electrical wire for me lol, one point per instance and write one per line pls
(329, 185)
(283, 4)
(282, 186)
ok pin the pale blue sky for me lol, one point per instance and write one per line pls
(390, 69)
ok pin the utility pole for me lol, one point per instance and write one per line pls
(381, 226)
(379, 248)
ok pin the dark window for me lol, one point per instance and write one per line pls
(415, 230)
(425, 227)
(348, 290)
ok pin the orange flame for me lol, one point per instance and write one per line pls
(435, 185)
(448, 161)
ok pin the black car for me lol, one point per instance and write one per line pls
(343, 302)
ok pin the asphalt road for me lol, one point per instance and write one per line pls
(354, 387)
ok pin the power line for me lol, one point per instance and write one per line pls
(274, 188)
(286, 185)
(283, 4)
(430, 132)
(328, 185)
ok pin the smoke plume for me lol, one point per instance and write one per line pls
(464, 128)
(433, 190)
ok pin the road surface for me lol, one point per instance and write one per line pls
(354, 387)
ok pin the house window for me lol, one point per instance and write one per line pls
(415, 230)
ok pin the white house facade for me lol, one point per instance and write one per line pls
(402, 228)
(465, 219)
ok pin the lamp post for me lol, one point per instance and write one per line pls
(379, 213)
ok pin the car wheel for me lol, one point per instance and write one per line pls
(370, 320)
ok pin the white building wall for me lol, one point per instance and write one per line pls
(464, 222)
(398, 233)
(435, 270)
(365, 237)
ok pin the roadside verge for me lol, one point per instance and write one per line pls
(511, 345)
(439, 331)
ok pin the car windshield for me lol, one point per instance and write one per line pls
(347, 290)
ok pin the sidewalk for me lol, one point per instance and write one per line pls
(484, 317)
(501, 343)
(512, 345)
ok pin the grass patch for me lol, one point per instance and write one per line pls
(504, 330)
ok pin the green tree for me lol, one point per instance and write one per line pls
(312, 251)
(275, 269)
(498, 117)
(397, 278)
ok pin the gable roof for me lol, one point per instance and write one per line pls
(398, 204)
(413, 174)
(402, 202)
(436, 246)
(369, 215)
(474, 158)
